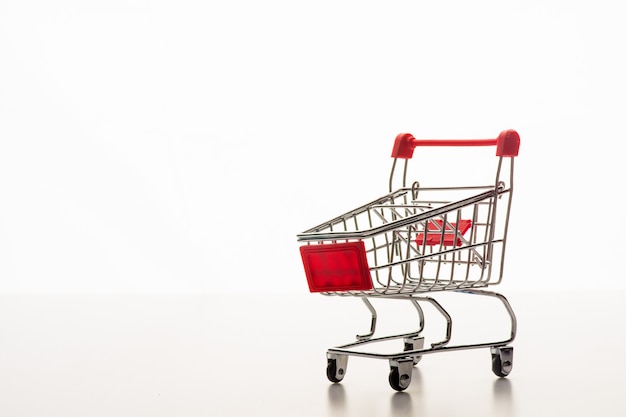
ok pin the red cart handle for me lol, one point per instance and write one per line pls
(507, 144)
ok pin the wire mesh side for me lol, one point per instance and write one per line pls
(414, 239)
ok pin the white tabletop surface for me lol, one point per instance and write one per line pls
(264, 355)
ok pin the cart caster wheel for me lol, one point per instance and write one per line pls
(336, 368)
(502, 360)
(414, 344)
(400, 374)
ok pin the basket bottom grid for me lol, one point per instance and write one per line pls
(426, 285)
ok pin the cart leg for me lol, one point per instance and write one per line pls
(508, 308)
(336, 367)
(502, 360)
(445, 314)
(414, 343)
(400, 374)
(372, 310)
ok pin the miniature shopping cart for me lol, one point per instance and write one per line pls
(411, 243)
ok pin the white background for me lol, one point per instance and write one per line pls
(173, 150)
(180, 146)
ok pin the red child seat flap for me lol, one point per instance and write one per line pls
(433, 237)
(336, 267)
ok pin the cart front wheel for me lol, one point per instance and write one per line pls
(502, 360)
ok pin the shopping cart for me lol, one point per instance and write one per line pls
(411, 243)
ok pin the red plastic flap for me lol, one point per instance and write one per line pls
(434, 238)
(336, 267)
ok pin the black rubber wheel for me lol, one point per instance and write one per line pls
(394, 380)
(496, 366)
(331, 371)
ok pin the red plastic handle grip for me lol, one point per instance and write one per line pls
(507, 144)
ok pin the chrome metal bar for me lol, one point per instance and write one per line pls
(393, 168)
(446, 315)
(399, 223)
(361, 340)
(426, 256)
(435, 347)
(506, 222)
(373, 322)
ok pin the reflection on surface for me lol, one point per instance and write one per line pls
(502, 389)
(82, 355)
(416, 381)
(336, 397)
(418, 400)
(503, 401)
(401, 404)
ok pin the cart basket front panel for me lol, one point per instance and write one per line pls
(336, 267)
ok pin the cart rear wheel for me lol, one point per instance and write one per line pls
(397, 381)
(400, 374)
(332, 373)
(502, 360)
